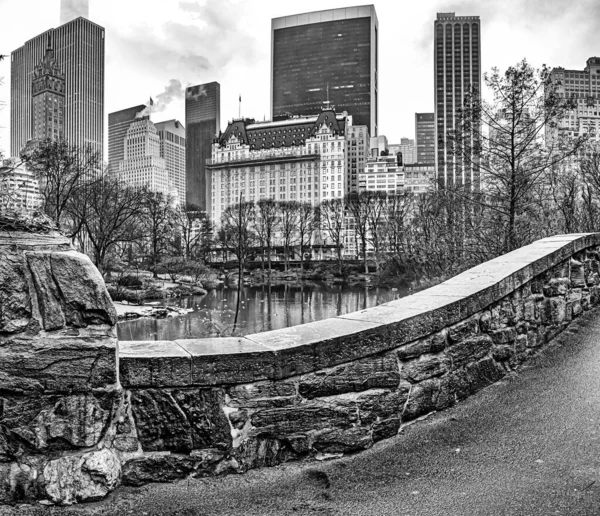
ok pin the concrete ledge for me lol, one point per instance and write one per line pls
(318, 345)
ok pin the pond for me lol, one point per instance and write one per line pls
(262, 308)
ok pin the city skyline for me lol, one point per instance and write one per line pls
(135, 71)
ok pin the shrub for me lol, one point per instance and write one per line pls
(129, 280)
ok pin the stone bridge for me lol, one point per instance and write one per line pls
(81, 413)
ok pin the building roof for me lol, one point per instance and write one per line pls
(282, 133)
(327, 15)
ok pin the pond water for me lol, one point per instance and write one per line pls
(263, 308)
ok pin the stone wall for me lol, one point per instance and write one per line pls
(69, 431)
(60, 397)
(210, 406)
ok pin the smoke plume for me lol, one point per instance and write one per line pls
(173, 91)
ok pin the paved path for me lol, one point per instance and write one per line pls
(529, 445)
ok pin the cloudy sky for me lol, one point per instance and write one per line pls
(153, 46)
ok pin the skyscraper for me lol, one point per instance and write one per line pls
(118, 123)
(171, 134)
(425, 137)
(584, 87)
(142, 164)
(457, 67)
(326, 56)
(48, 97)
(79, 50)
(71, 9)
(203, 123)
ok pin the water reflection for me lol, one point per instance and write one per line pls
(263, 308)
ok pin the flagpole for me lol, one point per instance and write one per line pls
(240, 107)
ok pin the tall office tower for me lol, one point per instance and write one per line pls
(142, 164)
(584, 87)
(326, 56)
(457, 67)
(425, 137)
(118, 123)
(357, 145)
(203, 123)
(48, 98)
(71, 9)
(171, 134)
(79, 49)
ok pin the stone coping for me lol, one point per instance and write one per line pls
(317, 345)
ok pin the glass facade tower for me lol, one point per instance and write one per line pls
(425, 137)
(457, 67)
(203, 123)
(326, 56)
(79, 49)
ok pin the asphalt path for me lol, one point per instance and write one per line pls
(528, 445)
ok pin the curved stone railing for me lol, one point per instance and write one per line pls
(80, 412)
(205, 406)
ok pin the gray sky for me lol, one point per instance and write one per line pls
(155, 47)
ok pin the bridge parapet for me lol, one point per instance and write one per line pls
(70, 431)
(205, 406)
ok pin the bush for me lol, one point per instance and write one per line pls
(129, 280)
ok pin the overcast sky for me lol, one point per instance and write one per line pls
(152, 45)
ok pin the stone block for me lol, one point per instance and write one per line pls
(15, 315)
(469, 350)
(58, 362)
(312, 415)
(385, 428)
(338, 440)
(503, 335)
(380, 371)
(263, 394)
(530, 310)
(502, 353)
(21, 482)
(483, 373)
(577, 273)
(423, 398)
(69, 290)
(464, 329)
(155, 363)
(424, 367)
(180, 420)
(259, 452)
(159, 468)
(222, 361)
(556, 287)
(58, 422)
(381, 404)
(82, 478)
(431, 344)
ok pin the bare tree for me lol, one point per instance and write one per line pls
(267, 222)
(306, 228)
(290, 217)
(193, 230)
(513, 141)
(159, 223)
(111, 215)
(236, 234)
(62, 169)
(332, 219)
